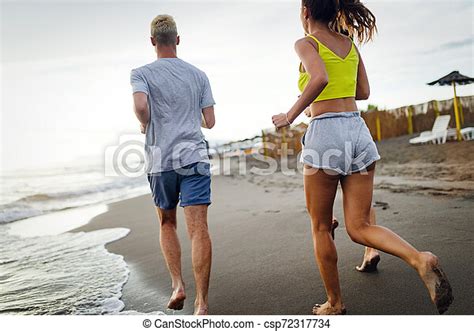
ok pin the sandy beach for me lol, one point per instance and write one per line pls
(262, 251)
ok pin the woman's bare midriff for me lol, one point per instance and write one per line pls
(333, 106)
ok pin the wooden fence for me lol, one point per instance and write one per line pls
(417, 118)
(283, 141)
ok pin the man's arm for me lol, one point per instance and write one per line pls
(207, 104)
(208, 117)
(140, 103)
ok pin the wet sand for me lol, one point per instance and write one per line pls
(263, 261)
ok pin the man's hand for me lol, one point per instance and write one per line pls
(203, 122)
(280, 120)
(142, 128)
(208, 119)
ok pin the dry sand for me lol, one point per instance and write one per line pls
(451, 162)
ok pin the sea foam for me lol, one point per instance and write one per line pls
(68, 273)
(32, 193)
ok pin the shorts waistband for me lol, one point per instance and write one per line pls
(347, 114)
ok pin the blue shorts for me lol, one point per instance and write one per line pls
(340, 142)
(191, 185)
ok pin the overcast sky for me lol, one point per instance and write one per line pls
(66, 65)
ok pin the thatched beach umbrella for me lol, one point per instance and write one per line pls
(452, 79)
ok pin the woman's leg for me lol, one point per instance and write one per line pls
(371, 256)
(320, 191)
(357, 197)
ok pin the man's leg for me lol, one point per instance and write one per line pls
(196, 220)
(171, 249)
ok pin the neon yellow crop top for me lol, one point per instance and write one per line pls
(342, 73)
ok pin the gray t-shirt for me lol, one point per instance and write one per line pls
(177, 92)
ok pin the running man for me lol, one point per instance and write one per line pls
(172, 100)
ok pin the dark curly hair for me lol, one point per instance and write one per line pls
(350, 17)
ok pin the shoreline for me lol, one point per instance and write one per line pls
(263, 261)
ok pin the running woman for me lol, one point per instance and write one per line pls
(338, 147)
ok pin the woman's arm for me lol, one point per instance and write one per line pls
(363, 87)
(315, 67)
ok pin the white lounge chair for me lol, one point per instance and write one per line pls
(438, 133)
(452, 134)
(467, 133)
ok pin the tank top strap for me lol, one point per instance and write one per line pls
(314, 38)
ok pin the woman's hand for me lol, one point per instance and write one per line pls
(280, 120)
(142, 128)
(307, 112)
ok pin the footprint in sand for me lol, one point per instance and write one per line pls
(382, 204)
(272, 211)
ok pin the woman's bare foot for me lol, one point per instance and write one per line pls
(370, 261)
(335, 224)
(435, 281)
(201, 310)
(177, 298)
(327, 309)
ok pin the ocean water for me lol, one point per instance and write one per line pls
(31, 193)
(43, 268)
(68, 273)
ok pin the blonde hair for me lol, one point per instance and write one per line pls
(164, 30)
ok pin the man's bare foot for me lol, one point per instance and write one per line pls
(436, 282)
(177, 298)
(335, 224)
(370, 261)
(327, 309)
(201, 310)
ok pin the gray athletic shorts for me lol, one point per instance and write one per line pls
(340, 142)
